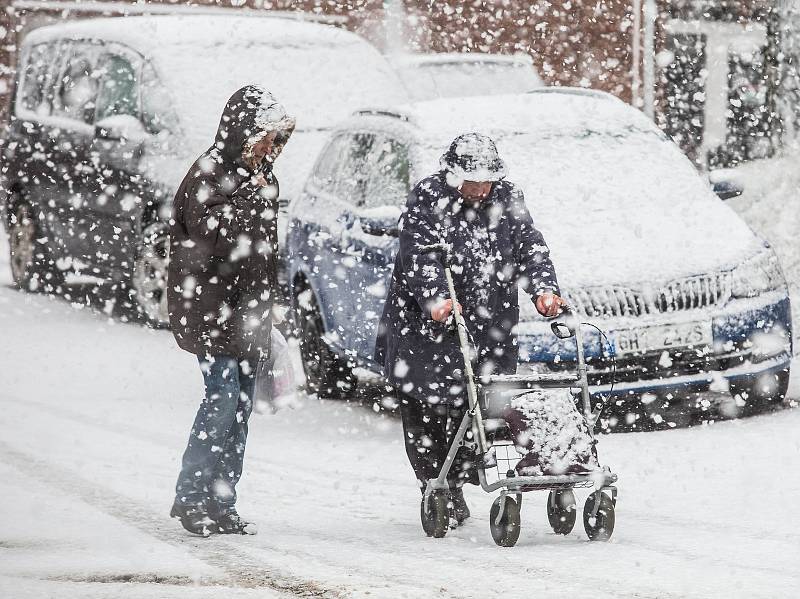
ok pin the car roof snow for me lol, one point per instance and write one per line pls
(149, 33)
(420, 59)
(545, 108)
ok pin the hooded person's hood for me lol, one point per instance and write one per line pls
(472, 157)
(251, 114)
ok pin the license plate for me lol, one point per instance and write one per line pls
(648, 339)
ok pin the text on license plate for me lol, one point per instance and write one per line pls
(654, 338)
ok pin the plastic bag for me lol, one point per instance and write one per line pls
(550, 434)
(275, 378)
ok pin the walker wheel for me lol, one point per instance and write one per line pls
(601, 526)
(505, 532)
(562, 511)
(436, 518)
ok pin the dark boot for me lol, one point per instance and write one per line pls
(230, 523)
(459, 505)
(194, 518)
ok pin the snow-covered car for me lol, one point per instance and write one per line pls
(688, 296)
(445, 75)
(769, 187)
(109, 113)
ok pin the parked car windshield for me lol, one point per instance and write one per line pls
(461, 79)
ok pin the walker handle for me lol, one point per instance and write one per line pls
(443, 248)
(562, 328)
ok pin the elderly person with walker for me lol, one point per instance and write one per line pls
(495, 247)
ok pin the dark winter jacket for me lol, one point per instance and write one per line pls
(495, 247)
(223, 271)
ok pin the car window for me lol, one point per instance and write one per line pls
(387, 184)
(328, 162)
(157, 112)
(420, 83)
(77, 86)
(353, 173)
(33, 91)
(118, 92)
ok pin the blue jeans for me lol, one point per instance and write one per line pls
(213, 460)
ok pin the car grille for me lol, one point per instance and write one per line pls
(682, 294)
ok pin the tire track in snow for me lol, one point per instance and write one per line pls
(240, 563)
(409, 552)
(317, 537)
(398, 584)
(131, 431)
(301, 475)
(240, 567)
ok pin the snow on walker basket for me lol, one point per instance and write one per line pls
(559, 463)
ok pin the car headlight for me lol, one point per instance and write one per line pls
(757, 275)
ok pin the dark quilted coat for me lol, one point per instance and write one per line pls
(223, 269)
(496, 247)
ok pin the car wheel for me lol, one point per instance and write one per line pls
(761, 393)
(32, 265)
(149, 279)
(327, 375)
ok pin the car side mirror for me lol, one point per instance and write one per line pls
(106, 133)
(724, 183)
(381, 222)
(377, 228)
(561, 329)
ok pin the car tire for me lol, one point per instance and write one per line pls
(148, 282)
(327, 375)
(760, 394)
(33, 267)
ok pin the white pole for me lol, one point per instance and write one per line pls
(649, 58)
(394, 19)
(636, 63)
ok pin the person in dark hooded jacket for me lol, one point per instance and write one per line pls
(221, 286)
(495, 247)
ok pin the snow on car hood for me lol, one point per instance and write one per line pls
(621, 207)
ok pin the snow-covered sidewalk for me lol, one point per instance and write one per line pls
(94, 415)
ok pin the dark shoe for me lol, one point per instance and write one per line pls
(459, 505)
(230, 523)
(194, 518)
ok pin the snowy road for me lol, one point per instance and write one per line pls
(95, 414)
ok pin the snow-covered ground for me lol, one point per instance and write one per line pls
(94, 414)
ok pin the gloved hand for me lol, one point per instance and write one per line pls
(549, 304)
(442, 309)
(257, 197)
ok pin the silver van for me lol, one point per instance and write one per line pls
(109, 113)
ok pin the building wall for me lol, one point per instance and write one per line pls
(679, 78)
(716, 79)
(571, 43)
